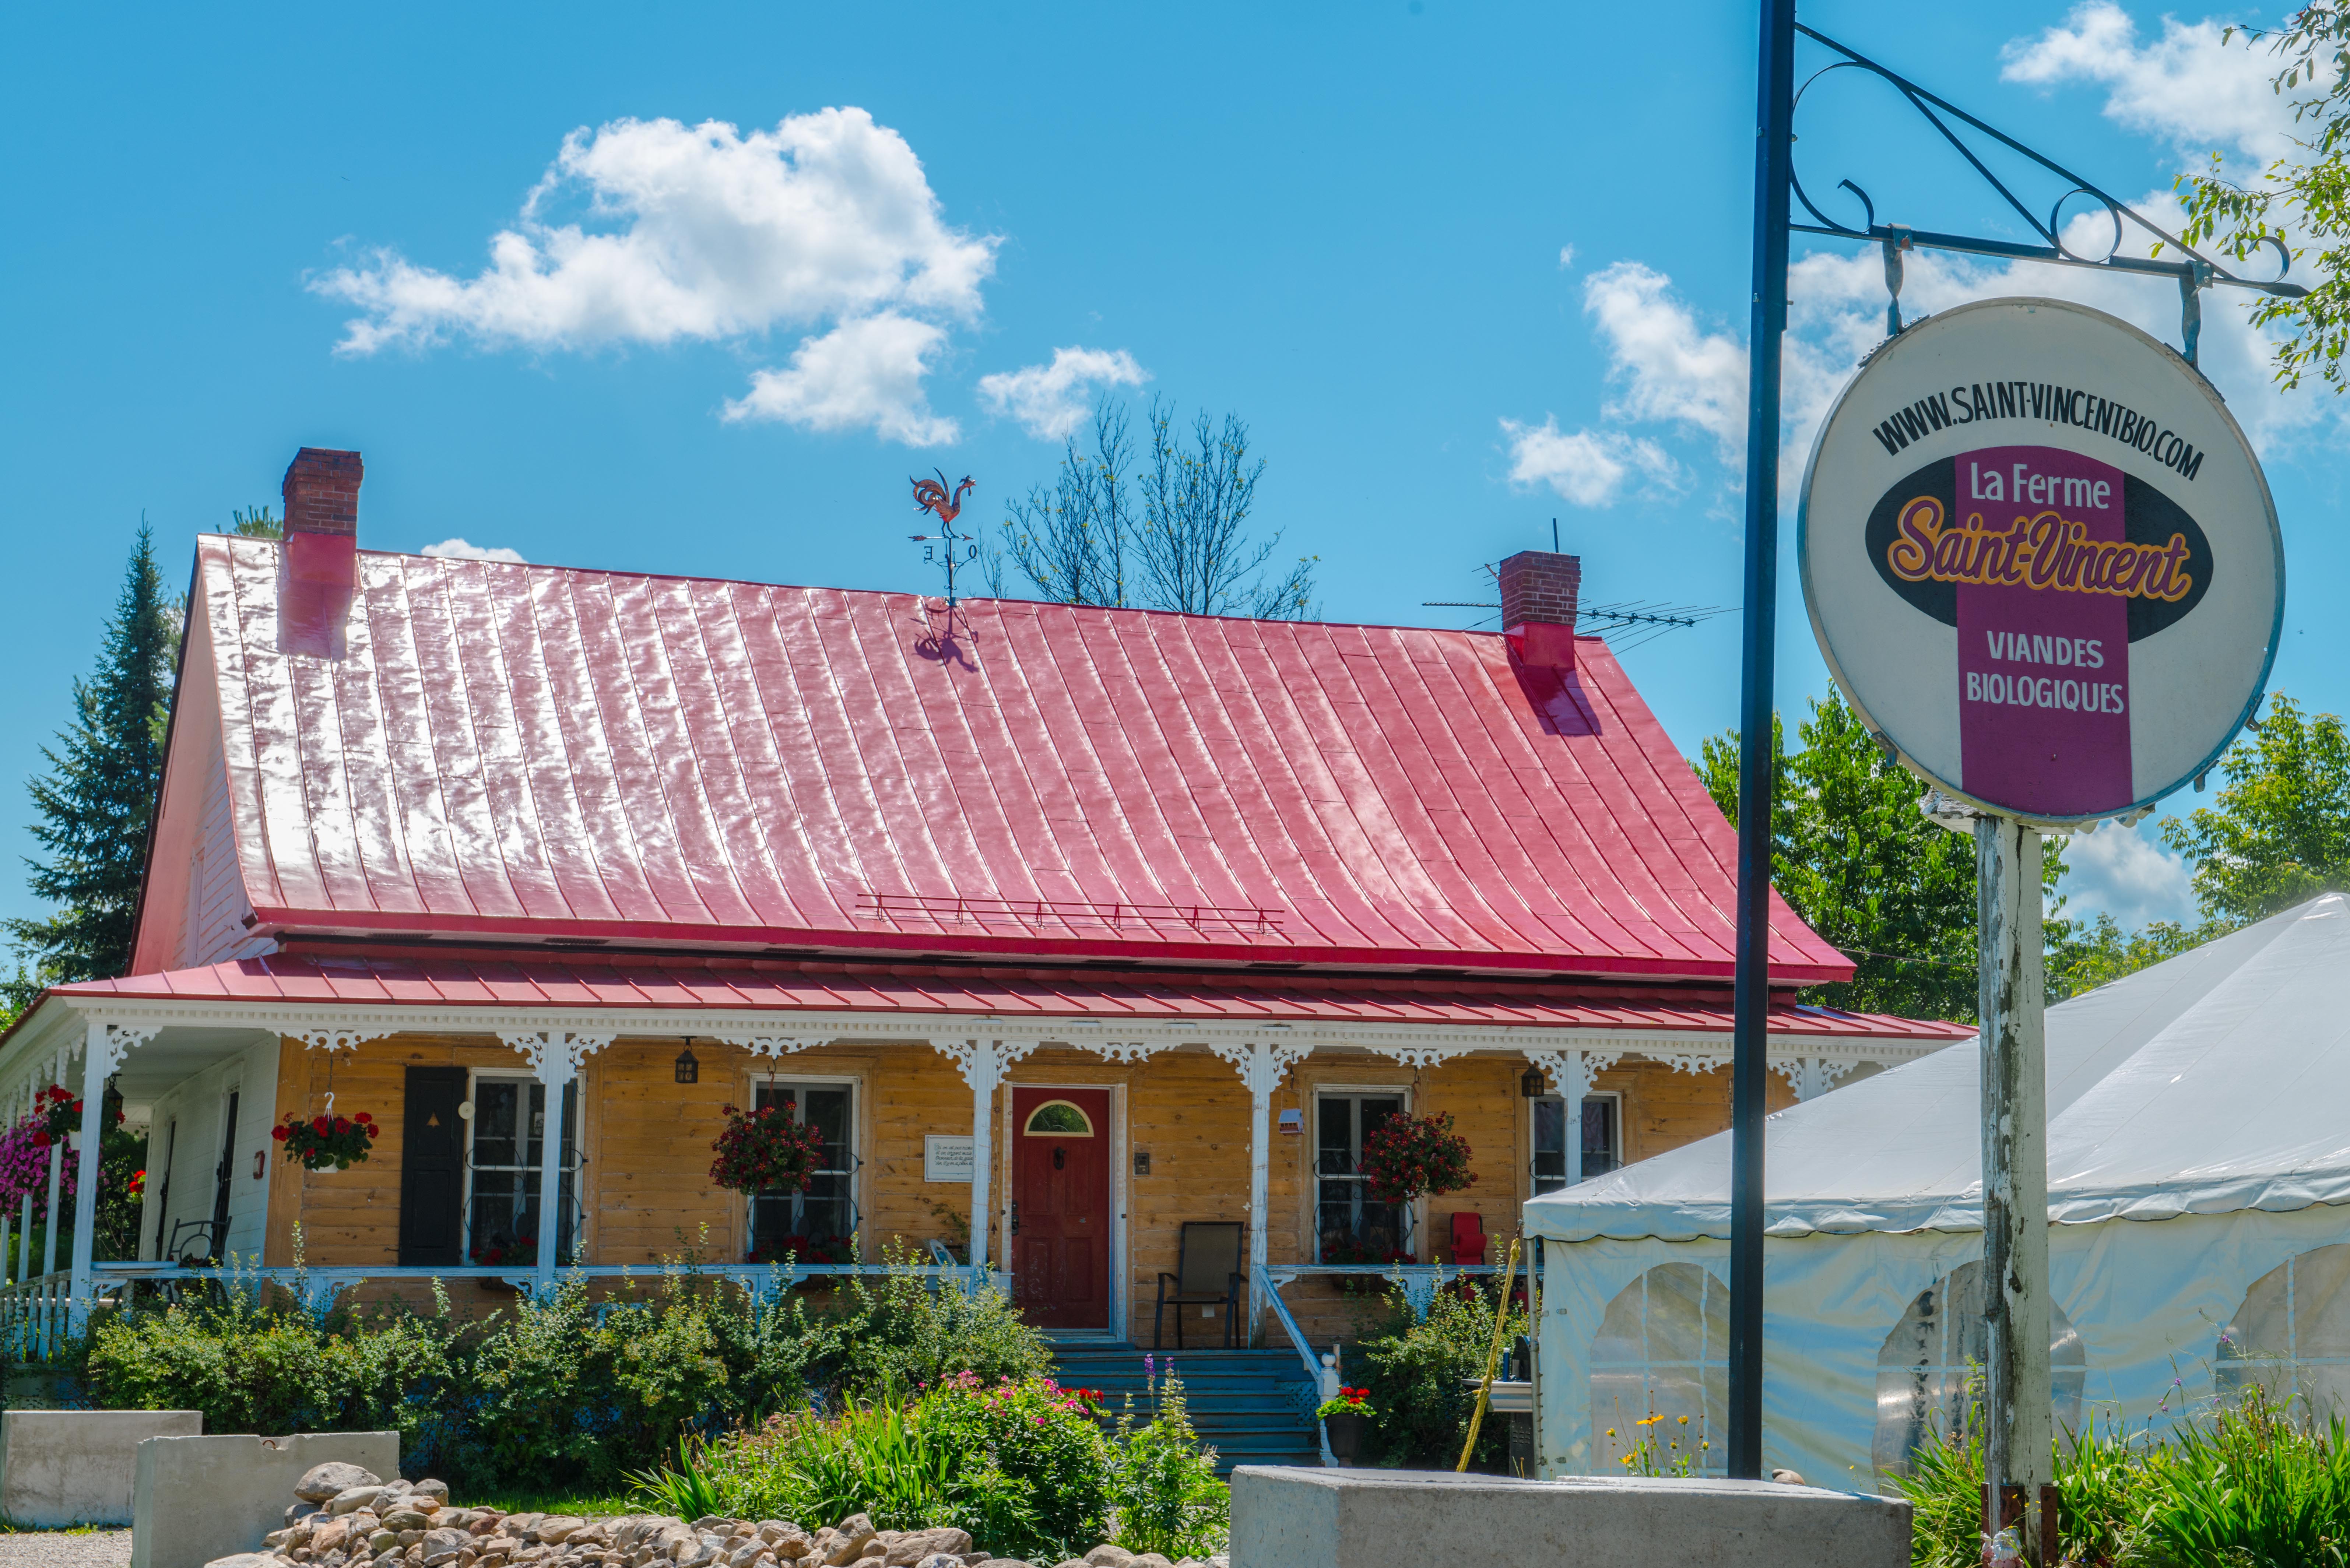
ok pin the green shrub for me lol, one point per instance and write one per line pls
(1419, 1372)
(899, 1333)
(552, 1394)
(1022, 1465)
(1163, 1491)
(2252, 1484)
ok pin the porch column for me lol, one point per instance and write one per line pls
(24, 1220)
(1571, 1073)
(56, 1178)
(555, 1057)
(1262, 1063)
(981, 1064)
(101, 1051)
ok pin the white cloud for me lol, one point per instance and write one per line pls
(1586, 467)
(1675, 374)
(2186, 86)
(1671, 369)
(707, 233)
(867, 372)
(1050, 401)
(460, 550)
(1565, 257)
(2125, 872)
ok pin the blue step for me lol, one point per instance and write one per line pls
(1255, 1407)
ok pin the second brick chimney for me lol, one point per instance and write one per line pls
(1539, 590)
(320, 570)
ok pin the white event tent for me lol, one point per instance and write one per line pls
(2198, 1172)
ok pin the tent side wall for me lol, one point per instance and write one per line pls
(2147, 1299)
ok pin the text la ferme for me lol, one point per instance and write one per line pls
(2039, 549)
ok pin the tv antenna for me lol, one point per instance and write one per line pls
(945, 548)
(1642, 620)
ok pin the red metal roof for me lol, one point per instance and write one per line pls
(507, 979)
(520, 751)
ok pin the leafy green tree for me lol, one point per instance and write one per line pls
(1853, 856)
(2279, 833)
(95, 807)
(1173, 534)
(2097, 952)
(2300, 202)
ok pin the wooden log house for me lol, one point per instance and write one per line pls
(1064, 925)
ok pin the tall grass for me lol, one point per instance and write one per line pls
(2252, 1484)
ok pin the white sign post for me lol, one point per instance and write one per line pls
(2045, 568)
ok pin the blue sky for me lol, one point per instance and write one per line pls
(1463, 268)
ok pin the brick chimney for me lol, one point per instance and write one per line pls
(1539, 590)
(319, 570)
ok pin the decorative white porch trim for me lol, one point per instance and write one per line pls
(1684, 1060)
(775, 1046)
(1811, 1076)
(1127, 1052)
(349, 1037)
(982, 1060)
(1420, 1056)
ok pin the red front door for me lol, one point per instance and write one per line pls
(1060, 1206)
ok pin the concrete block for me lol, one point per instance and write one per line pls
(1294, 1518)
(197, 1498)
(76, 1467)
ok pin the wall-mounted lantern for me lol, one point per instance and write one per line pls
(689, 1071)
(1531, 1085)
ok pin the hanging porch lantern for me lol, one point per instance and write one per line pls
(689, 1071)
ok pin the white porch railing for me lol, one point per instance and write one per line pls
(34, 1316)
(1263, 1281)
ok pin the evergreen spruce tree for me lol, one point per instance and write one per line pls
(95, 807)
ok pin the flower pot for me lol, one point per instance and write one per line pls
(1346, 1435)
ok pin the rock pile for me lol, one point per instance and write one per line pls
(343, 1517)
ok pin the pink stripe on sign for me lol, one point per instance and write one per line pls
(2043, 660)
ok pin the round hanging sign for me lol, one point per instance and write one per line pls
(2040, 559)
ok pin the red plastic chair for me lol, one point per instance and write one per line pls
(1468, 1239)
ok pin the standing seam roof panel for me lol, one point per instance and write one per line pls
(529, 748)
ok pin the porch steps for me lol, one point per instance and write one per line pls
(1254, 1405)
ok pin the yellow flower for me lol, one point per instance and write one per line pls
(1684, 1420)
(1650, 1422)
(1611, 1431)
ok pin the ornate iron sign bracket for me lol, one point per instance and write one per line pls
(2194, 273)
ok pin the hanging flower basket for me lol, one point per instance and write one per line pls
(765, 1152)
(1404, 1156)
(58, 1112)
(327, 1142)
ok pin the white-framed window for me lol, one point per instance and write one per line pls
(819, 1225)
(2292, 1336)
(1929, 1368)
(1660, 1369)
(1350, 1226)
(1602, 1128)
(505, 1142)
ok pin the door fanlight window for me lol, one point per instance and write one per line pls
(1058, 1118)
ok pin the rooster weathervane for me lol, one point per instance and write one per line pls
(946, 548)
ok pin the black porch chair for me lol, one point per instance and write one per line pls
(1207, 1273)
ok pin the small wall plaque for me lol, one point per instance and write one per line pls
(1293, 1123)
(946, 1157)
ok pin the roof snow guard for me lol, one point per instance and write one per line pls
(534, 754)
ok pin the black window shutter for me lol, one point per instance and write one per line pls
(432, 1170)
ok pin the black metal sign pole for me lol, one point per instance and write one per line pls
(1775, 112)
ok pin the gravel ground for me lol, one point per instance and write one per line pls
(101, 1549)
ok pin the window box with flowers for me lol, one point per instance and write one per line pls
(327, 1142)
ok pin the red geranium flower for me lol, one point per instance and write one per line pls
(278, 1133)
